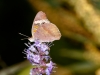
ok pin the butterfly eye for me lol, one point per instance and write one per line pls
(43, 22)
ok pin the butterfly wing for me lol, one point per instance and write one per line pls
(42, 35)
(52, 30)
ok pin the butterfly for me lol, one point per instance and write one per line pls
(43, 30)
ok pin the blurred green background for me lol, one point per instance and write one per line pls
(76, 53)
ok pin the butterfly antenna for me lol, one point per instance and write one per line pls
(24, 35)
(24, 38)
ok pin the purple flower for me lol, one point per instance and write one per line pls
(36, 71)
(37, 54)
(50, 66)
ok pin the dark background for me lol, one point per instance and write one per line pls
(16, 16)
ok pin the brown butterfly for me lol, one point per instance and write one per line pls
(43, 30)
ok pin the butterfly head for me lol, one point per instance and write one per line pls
(31, 39)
